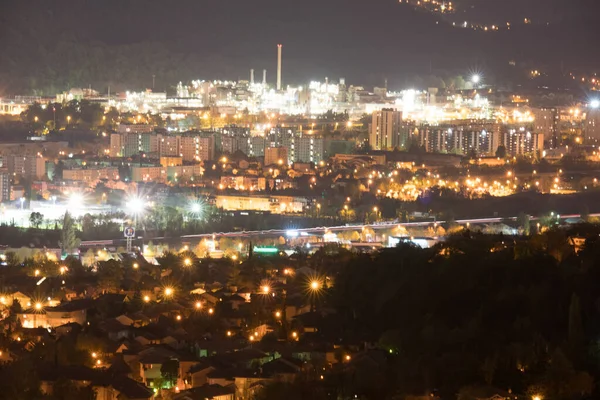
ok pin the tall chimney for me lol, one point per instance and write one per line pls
(264, 77)
(252, 76)
(279, 66)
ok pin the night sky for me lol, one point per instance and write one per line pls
(365, 41)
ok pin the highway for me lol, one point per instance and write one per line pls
(341, 228)
(323, 229)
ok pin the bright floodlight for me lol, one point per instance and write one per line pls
(196, 209)
(595, 103)
(315, 285)
(475, 78)
(136, 205)
(75, 200)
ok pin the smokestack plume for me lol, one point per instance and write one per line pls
(279, 66)
(252, 76)
(264, 77)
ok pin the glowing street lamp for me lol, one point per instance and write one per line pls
(277, 314)
(135, 265)
(198, 305)
(315, 285)
(38, 306)
(187, 262)
(168, 291)
(265, 289)
(476, 79)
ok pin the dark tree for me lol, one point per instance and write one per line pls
(68, 237)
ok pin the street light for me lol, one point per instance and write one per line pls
(265, 289)
(187, 262)
(315, 285)
(168, 291)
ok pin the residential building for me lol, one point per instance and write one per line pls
(30, 167)
(387, 131)
(308, 148)
(546, 121)
(4, 185)
(522, 142)
(256, 146)
(161, 174)
(482, 138)
(276, 155)
(91, 174)
(274, 204)
(196, 147)
(135, 128)
(167, 161)
(592, 127)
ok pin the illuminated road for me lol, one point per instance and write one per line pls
(322, 230)
(376, 226)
